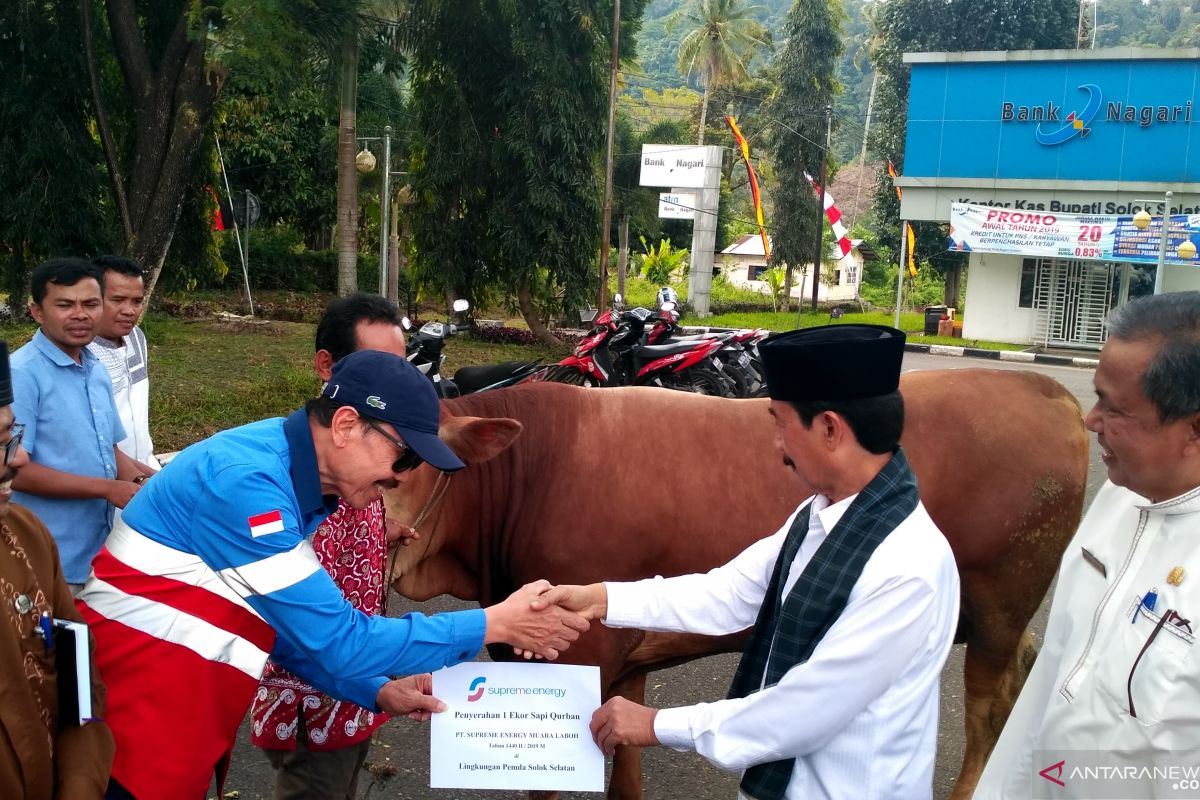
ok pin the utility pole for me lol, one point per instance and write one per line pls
(606, 216)
(862, 156)
(900, 272)
(821, 209)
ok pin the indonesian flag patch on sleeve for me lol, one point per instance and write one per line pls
(263, 524)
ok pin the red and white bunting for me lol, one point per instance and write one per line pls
(835, 219)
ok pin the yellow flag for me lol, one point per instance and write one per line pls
(912, 243)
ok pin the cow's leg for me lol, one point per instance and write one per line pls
(626, 780)
(1000, 653)
(989, 699)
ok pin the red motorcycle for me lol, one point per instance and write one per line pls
(615, 352)
(737, 360)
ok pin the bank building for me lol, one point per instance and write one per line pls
(1053, 168)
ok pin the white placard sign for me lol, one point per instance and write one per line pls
(674, 165)
(516, 726)
(676, 205)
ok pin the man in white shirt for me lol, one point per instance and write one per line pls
(120, 346)
(1112, 705)
(853, 602)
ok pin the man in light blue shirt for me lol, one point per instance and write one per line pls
(76, 474)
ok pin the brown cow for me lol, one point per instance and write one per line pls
(622, 484)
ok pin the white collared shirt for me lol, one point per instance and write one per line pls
(1098, 657)
(860, 716)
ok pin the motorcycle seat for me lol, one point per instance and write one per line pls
(653, 351)
(472, 379)
(696, 337)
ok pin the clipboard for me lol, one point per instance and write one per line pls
(73, 662)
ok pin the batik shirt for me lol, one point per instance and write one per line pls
(351, 546)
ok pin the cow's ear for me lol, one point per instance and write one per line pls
(476, 439)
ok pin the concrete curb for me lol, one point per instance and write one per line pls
(1002, 355)
(969, 352)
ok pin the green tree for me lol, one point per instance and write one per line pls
(674, 104)
(946, 25)
(161, 106)
(280, 142)
(282, 124)
(342, 25)
(806, 86)
(347, 171)
(723, 37)
(53, 201)
(659, 264)
(507, 99)
(776, 284)
(636, 206)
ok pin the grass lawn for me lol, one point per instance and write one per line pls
(909, 321)
(208, 375)
(786, 321)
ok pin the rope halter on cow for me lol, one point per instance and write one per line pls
(435, 497)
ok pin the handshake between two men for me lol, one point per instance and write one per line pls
(540, 621)
(530, 620)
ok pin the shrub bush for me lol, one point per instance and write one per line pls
(501, 334)
(279, 260)
(928, 288)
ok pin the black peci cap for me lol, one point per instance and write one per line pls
(832, 362)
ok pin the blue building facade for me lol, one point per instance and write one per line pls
(1100, 132)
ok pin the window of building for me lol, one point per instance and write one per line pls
(837, 277)
(852, 274)
(1029, 274)
(756, 272)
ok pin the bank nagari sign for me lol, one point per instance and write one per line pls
(673, 165)
(1071, 118)
(1056, 127)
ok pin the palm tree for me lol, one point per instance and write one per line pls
(723, 38)
(374, 12)
(347, 175)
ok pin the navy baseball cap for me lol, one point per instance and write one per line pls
(385, 387)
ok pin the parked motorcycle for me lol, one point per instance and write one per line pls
(615, 352)
(425, 352)
(738, 359)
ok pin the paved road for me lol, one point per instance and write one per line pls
(404, 745)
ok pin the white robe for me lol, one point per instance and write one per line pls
(860, 716)
(1075, 705)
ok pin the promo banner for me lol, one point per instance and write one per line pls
(987, 229)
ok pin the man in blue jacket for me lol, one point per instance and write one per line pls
(210, 571)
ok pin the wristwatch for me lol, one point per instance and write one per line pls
(140, 479)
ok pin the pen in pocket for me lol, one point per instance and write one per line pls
(1148, 601)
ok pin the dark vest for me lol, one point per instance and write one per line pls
(788, 629)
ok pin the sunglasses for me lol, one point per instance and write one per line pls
(14, 441)
(408, 457)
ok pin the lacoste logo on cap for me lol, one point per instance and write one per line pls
(375, 402)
